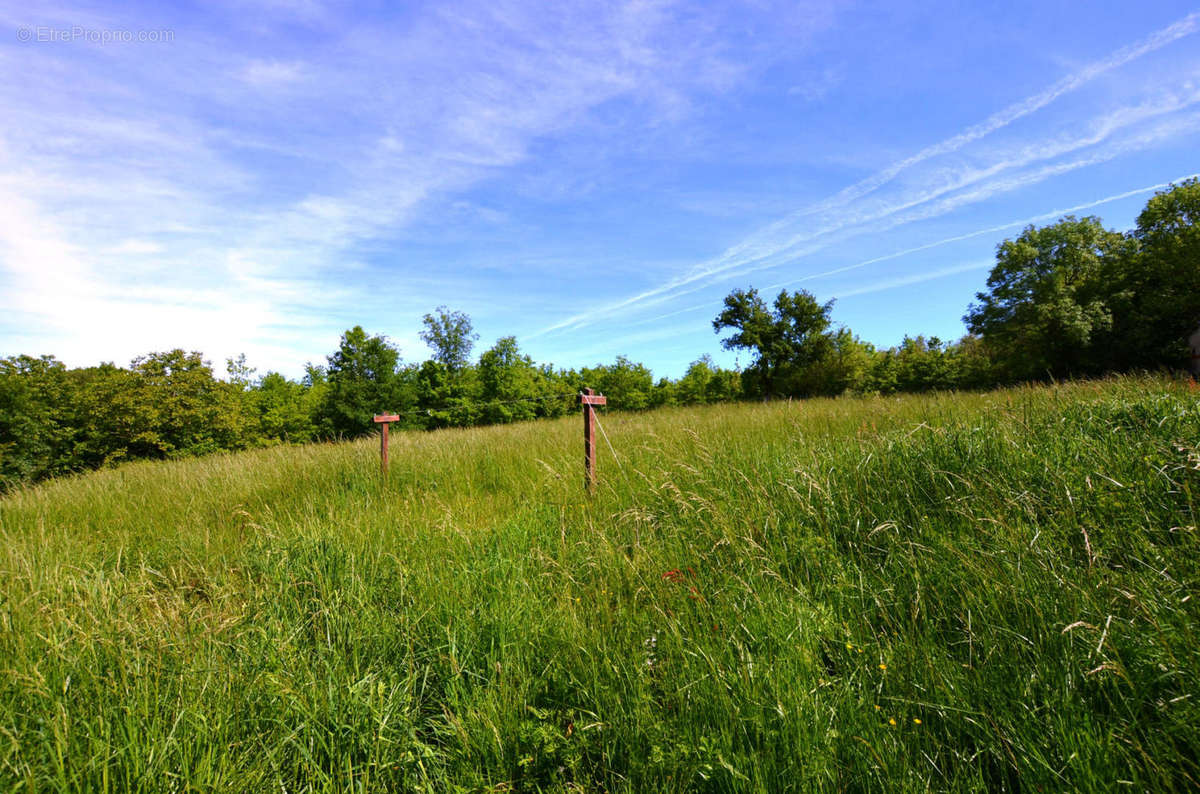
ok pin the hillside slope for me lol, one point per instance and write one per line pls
(949, 592)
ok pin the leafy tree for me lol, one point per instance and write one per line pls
(118, 417)
(842, 367)
(663, 394)
(561, 388)
(241, 374)
(972, 366)
(1048, 300)
(785, 340)
(192, 412)
(1157, 282)
(314, 375)
(450, 336)
(509, 383)
(693, 387)
(283, 410)
(36, 430)
(362, 381)
(923, 364)
(724, 386)
(628, 385)
(449, 399)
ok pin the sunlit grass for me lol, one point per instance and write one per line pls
(989, 591)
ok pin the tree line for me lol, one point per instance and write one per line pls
(1071, 299)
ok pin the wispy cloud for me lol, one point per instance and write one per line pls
(848, 213)
(917, 278)
(277, 173)
(1184, 27)
(987, 230)
(817, 85)
(912, 278)
(243, 204)
(271, 74)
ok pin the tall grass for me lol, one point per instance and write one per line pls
(951, 592)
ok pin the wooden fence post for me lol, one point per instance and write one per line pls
(589, 400)
(384, 420)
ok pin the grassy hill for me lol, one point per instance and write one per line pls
(950, 592)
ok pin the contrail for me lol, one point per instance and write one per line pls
(1110, 123)
(1045, 216)
(996, 121)
(1002, 118)
(673, 289)
(886, 218)
(914, 278)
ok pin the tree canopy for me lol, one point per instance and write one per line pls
(451, 337)
(1049, 297)
(785, 339)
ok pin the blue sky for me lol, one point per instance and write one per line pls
(593, 178)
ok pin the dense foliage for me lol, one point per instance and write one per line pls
(1069, 299)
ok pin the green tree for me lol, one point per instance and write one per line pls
(450, 336)
(282, 410)
(240, 373)
(724, 386)
(785, 340)
(509, 383)
(841, 367)
(117, 417)
(193, 412)
(561, 387)
(663, 394)
(923, 364)
(36, 422)
(973, 367)
(1157, 282)
(1048, 300)
(362, 381)
(627, 384)
(693, 387)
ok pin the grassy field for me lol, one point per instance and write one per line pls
(956, 592)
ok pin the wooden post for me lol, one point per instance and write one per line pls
(589, 400)
(384, 420)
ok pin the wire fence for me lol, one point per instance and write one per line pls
(482, 405)
(600, 425)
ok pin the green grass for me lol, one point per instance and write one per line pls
(746, 604)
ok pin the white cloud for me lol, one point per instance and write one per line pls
(1157, 40)
(135, 246)
(160, 206)
(912, 278)
(272, 74)
(987, 230)
(145, 201)
(818, 85)
(850, 213)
